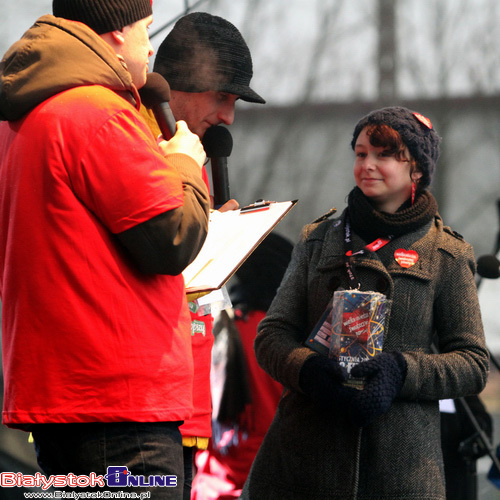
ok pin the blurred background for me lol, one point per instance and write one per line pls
(321, 65)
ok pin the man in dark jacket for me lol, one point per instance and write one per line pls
(208, 67)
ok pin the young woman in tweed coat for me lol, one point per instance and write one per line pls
(328, 441)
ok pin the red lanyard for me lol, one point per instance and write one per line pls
(371, 247)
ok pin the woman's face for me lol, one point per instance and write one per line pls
(381, 177)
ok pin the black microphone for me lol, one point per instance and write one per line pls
(218, 145)
(488, 266)
(155, 95)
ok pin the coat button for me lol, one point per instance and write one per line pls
(382, 285)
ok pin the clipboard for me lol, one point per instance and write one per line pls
(231, 239)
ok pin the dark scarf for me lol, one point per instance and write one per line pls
(370, 224)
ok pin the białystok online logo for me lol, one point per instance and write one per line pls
(117, 477)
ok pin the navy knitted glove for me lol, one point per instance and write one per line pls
(322, 380)
(384, 377)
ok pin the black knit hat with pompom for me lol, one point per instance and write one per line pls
(415, 130)
(103, 16)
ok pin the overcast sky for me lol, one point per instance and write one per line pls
(326, 50)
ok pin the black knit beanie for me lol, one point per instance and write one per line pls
(205, 52)
(103, 16)
(415, 130)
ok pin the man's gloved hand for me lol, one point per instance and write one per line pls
(322, 380)
(384, 377)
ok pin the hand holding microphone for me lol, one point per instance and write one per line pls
(185, 142)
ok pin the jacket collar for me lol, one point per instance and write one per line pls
(332, 253)
(55, 55)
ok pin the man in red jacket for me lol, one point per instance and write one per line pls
(97, 223)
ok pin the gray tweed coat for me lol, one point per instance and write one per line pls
(309, 453)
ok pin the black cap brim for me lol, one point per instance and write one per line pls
(243, 91)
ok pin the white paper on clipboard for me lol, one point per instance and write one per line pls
(232, 237)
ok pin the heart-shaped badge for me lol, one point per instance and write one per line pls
(405, 258)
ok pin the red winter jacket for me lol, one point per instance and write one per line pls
(88, 335)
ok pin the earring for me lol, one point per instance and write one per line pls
(413, 191)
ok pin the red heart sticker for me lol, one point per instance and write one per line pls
(405, 258)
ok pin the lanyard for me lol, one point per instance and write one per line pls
(371, 247)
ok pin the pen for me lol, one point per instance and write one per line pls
(256, 207)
